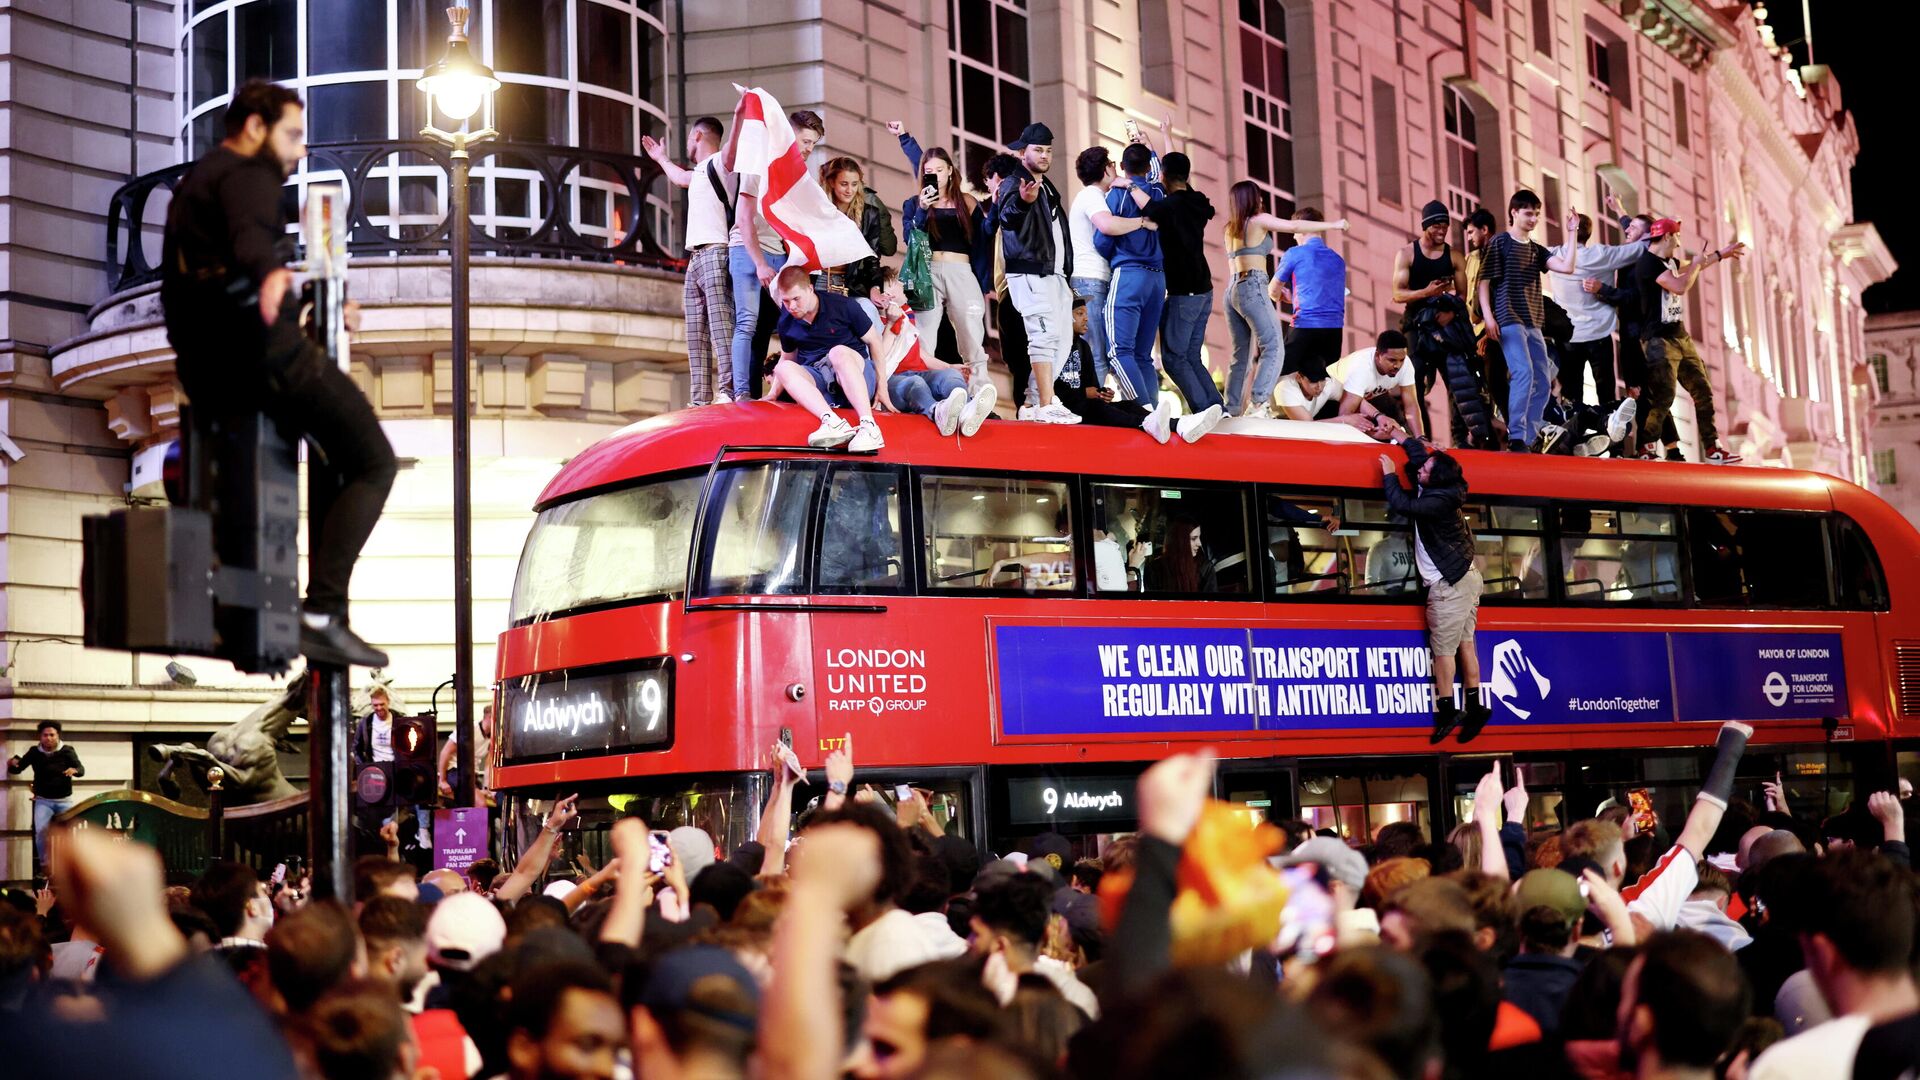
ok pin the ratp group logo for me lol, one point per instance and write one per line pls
(1775, 687)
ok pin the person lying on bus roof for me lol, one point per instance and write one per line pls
(1379, 383)
(826, 360)
(1572, 427)
(1306, 392)
(915, 382)
(1097, 406)
(1443, 552)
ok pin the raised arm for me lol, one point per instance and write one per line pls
(842, 863)
(539, 853)
(776, 821)
(1297, 225)
(1680, 280)
(1486, 821)
(676, 175)
(1568, 260)
(632, 892)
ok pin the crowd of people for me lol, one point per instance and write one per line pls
(863, 938)
(1522, 336)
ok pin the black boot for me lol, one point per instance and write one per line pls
(1477, 715)
(1445, 717)
(333, 643)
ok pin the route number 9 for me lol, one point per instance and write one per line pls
(1052, 799)
(652, 702)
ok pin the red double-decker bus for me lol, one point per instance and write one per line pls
(1020, 621)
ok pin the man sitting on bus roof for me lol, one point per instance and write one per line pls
(1443, 551)
(826, 360)
(1098, 406)
(1308, 392)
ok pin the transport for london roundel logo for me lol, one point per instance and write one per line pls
(1775, 687)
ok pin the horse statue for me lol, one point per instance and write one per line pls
(246, 751)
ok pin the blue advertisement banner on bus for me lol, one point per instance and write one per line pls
(1104, 680)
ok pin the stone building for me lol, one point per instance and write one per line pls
(1893, 359)
(1363, 108)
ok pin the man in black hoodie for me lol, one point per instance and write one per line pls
(1443, 552)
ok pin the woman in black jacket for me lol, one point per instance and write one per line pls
(1443, 551)
(1184, 567)
(846, 185)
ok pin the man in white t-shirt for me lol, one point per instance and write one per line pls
(1856, 929)
(375, 742)
(1307, 392)
(1095, 168)
(1379, 382)
(482, 749)
(708, 292)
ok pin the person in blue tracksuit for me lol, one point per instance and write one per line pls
(1137, 290)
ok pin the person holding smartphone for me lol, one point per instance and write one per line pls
(962, 252)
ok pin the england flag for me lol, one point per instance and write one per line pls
(817, 233)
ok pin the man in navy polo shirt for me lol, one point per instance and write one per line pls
(826, 360)
(1315, 276)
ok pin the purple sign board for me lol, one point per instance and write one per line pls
(1102, 680)
(459, 838)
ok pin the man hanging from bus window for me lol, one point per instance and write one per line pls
(1380, 382)
(1101, 407)
(826, 360)
(1443, 551)
(913, 381)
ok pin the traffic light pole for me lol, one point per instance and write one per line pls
(329, 766)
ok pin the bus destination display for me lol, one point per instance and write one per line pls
(1047, 800)
(555, 716)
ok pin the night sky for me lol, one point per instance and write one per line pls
(1867, 42)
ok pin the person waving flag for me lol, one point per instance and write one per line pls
(795, 204)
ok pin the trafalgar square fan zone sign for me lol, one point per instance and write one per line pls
(1100, 680)
(459, 838)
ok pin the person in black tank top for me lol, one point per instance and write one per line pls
(1417, 279)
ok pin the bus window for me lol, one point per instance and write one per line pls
(860, 536)
(1619, 554)
(1744, 558)
(621, 545)
(1509, 551)
(997, 533)
(1357, 807)
(757, 528)
(1303, 555)
(1862, 585)
(1376, 550)
(1195, 538)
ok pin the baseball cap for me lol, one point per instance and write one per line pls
(1554, 889)
(1663, 227)
(1032, 135)
(692, 849)
(1050, 847)
(464, 930)
(673, 983)
(1342, 863)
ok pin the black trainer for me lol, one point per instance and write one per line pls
(334, 643)
(1476, 717)
(1515, 446)
(1445, 718)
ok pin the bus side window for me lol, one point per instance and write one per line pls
(756, 529)
(1303, 554)
(1744, 558)
(860, 548)
(1139, 529)
(1509, 551)
(1619, 555)
(1376, 550)
(1863, 587)
(989, 532)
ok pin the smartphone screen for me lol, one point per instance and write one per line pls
(1306, 924)
(660, 853)
(280, 873)
(903, 792)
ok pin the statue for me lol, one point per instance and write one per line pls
(245, 752)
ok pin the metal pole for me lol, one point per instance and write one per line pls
(329, 768)
(462, 489)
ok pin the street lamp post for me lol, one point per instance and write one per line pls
(460, 86)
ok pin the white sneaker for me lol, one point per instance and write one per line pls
(723, 398)
(979, 407)
(1156, 423)
(1263, 410)
(1192, 428)
(1055, 413)
(832, 432)
(1026, 412)
(1592, 447)
(946, 414)
(867, 438)
(1621, 419)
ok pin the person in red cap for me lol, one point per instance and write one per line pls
(1662, 282)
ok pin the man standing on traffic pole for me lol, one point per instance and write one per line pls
(233, 318)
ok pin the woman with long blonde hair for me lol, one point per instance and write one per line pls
(845, 183)
(1250, 311)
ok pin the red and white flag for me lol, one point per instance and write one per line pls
(815, 230)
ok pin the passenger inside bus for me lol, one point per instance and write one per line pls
(1184, 565)
(860, 551)
(1298, 564)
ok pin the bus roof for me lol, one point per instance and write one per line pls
(690, 438)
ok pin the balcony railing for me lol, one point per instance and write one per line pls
(528, 200)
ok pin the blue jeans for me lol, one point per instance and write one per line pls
(1183, 330)
(44, 811)
(1250, 317)
(1529, 380)
(920, 391)
(1134, 300)
(1094, 292)
(746, 313)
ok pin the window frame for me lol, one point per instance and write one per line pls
(1344, 594)
(1255, 593)
(817, 532)
(959, 60)
(707, 535)
(1277, 122)
(1683, 597)
(1549, 549)
(677, 593)
(1462, 201)
(1079, 540)
(1828, 555)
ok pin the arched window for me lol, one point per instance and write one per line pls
(1460, 150)
(1267, 101)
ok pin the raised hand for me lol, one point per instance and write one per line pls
(1486, 798)
(1886, 809)
(1515, 800)
(1573, 224)
(651, 146)
(840, 762)
(843, 860)
(1029, 190)
(1172, 794)
(1613, 205)
(562, 814)
(1735, 250)
(1776, 794)
(896, 128)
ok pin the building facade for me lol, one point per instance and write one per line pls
(1893, 361)
(1361, 108)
